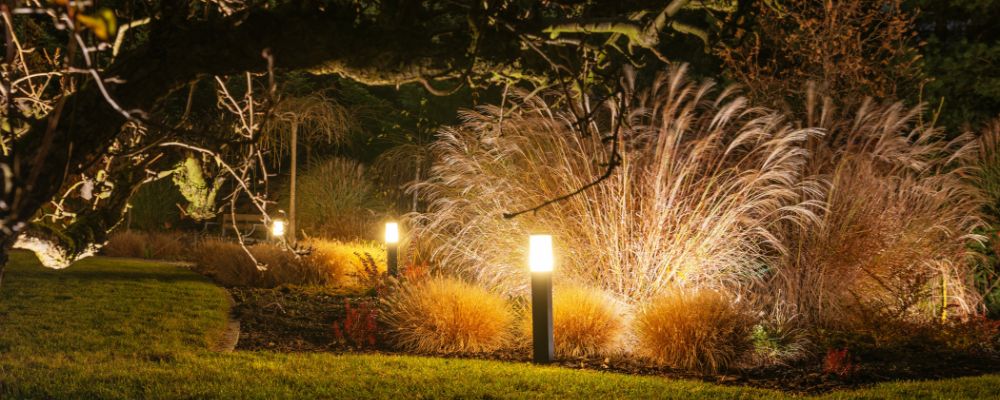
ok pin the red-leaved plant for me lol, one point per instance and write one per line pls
(838, 362)
(359, 327)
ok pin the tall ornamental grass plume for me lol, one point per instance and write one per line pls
(444, 315)
(893, 237)
(700, 330)
(337, 199)
(703, 180)
(987, 178)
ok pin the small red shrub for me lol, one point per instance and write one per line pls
(359, 327)
(838, 362)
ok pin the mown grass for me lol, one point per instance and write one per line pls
(116, 329)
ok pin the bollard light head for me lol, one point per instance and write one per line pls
(540, 256)
(391, 232)
(278, 228)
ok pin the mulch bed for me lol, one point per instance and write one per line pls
(302, 319)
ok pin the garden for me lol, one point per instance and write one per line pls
(732, 200)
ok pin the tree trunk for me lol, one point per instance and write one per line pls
(291, 198)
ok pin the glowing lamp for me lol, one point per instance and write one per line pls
(540, 258)
(278, 228)
(540, 261)
(391, 232)
(392, 247)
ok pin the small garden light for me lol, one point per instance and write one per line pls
(278, 228)
(541, 261)
(392, 247)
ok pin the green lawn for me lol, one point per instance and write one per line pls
(113, 328)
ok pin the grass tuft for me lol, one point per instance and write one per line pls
(446, 315)
(701, 331)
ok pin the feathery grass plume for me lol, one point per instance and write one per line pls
(700, 330)
(987, 179)
(446, 315)
(893, 238)
(336, 199)
(703, 179)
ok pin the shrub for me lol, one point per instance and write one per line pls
(585, 321)
(325, 262)
(125, 244)
(839, 362)
(701, 331)
(230, 265)
(359, 327)
(151, 245)
(446, 315)
(337, 199)
(343, 262)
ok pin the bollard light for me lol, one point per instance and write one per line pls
(278, 228)
(392, 247)
(541, 260)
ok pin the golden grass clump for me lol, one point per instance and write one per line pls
(341, 261)
(699, 331)
(585, 321)
(446, 315)
(151, 245)
(702, 180)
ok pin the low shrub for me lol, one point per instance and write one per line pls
(585, 321)
(839, 362)
(359, 328)
(446, 315)
(151, 245)
(344, 262)
(125, 244)
(976, 334)
(701, 331)
(229, 264)
(324, 262)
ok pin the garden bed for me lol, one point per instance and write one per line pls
(300, 319)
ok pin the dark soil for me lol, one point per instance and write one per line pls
(302, 319)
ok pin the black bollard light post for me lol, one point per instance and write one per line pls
(541, 261)
(392, 248)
